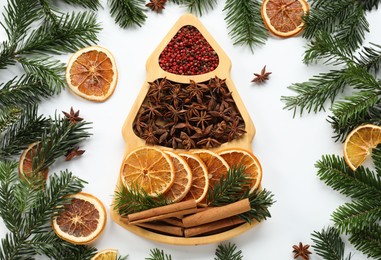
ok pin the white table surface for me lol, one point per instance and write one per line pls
(287, 148)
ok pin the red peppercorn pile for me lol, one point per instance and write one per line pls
(188, 116)
(188, 53)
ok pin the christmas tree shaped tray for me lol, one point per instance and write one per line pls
(206, 64)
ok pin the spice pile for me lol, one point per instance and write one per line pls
(187, 116)
(188, 53)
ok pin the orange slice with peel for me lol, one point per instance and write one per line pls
(91, 73)
(216, 165)
(25, 166)
(183, 178)
(150, 169)
(200, 177)
(359, 144)
(239, 156)
(107, 254)
(283, 18)
(82, 221)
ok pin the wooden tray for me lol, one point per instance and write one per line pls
(154, 71)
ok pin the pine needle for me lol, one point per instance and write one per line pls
(368, 240)
(329, 245)
(244, 21)
(200, 7)
(135, 199)
(157, 254)
(128, 13)
(228, 252)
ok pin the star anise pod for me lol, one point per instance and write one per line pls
(301, 251)
(156, 5)
(260, 78)
(73, 153)
(73, 116)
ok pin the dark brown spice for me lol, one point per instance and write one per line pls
(188, 116)
(73, 153)
(301, 251)
(73, 117)
(262, 77)
(156, 5)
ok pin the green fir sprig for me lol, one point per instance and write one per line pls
(157, 254)
(228, 252)
(359, 218)
(128, 13)
(200, 7)
(135, 199)
(234, 186)
(27, 213)
(329, 245)
(244, 21)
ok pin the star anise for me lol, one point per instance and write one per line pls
(209, 142)
(218, 85)
(150, 110)
(174, 113)
(175, 96)
(157, 88)
(196, 90)
(236, 129)
(151, 132)
(73, 153)
(156, 5)
(221, 111)
(73, 117)
(201, 118)
(301, 251)
(187, 141)
(260, 78)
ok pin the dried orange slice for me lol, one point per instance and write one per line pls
(216, 165)
(359, 144)
(200, 179)
(81, 221)
(150, 169)
(283, 18)
(107, 254)
(25, 166)
(92, 74)
(253, 168)
(183, 178)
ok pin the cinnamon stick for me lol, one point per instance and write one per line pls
(173, 221)
(214, 226)
(164, 216)
(167, 229)
(217, 213)
(176, 207)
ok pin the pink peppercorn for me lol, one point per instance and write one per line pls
(188, 53)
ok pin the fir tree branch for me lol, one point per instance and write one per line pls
(61, 137)
(34, 219)
(328, 48)
(18, 17)
(48, 70)
(370, 58)
(244, 21)
(260, 201)
(28, 129)
(92, 4)
(351, 112)
(345, 19)
(228, 252)
(200, 6)
(24, 90)
(135, 199)
(329, 245)
(9, 116)
(128, 13)
(157, 254)
(72, 32)
(368, 240)
(357, 215)
(313, 94)
(361, 184)
(230, 187)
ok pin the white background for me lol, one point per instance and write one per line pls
(287, 148)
